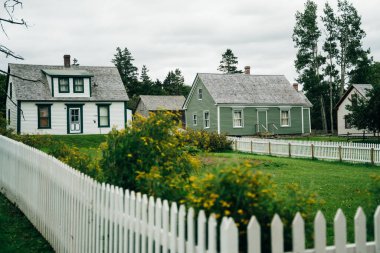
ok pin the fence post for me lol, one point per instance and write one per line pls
(290, 150)
(372, 156)
(312, 151)
(269, 148)
(251, 146)
(340, 153)
(235, 145)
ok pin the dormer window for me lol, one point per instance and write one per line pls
(64, 86)
(78, 85)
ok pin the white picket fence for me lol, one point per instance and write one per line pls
(76, 214)
(333, 151)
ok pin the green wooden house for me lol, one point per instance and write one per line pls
(244, 104)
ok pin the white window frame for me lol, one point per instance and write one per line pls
(233, 118)
(195, 119)
(200, 94)
(289, 118)
(204, 120)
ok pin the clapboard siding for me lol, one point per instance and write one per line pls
(29, 123)
(12, 107)
(199, 106)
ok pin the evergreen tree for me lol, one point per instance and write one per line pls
(330, 47)
(350, 37)
(145, 82)
(174, 83)
(309, 61)
(228, 64)
(157, 88)
(123, 61)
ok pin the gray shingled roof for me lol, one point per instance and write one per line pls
(363, 88)
(252, 89)
(154, 103)
(106, 84)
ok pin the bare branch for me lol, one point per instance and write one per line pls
(11, 21)
(8, 52)
(19, 77)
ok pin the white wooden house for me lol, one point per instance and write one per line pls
(46, 99)
(349, 97)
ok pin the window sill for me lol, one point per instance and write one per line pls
(286, 126)
(103, 126)
(238, 127)
(44, 128)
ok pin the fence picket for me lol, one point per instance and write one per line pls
(277, 235)
(376, 221)
(173, 227)
(190, 231)
(181, 228)
(298, 230)
(212, 237)
(254, 236)
(360, 231)
(201, 234)
(157, 225)
(320, 233)
(229, 236)
(340, 234)
(165, 227)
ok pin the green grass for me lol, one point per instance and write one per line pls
(340, 185)
(17, 234)
(81, 141)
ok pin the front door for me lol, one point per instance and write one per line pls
(262, 121)
(75, 120)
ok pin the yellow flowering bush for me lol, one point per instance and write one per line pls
(241, 192)
(149, 157)
(207, 141)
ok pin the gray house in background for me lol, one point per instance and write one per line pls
(245, 104)
(148, 103)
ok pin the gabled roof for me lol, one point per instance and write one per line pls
(252, 89)
(106, 84)
(362, 89)
(154, 103)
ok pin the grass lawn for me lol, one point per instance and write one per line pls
(340, 185)
(81, 141)
(17, 234)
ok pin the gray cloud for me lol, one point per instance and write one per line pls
(168, 34)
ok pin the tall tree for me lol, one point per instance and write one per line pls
(123, 61)
(146, 82)
(174, 83)
(330, 47)
(228, 64)
(309, 61)
(350, 35)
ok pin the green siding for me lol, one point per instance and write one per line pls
(306, 121)
(199, 106)
(250, 121)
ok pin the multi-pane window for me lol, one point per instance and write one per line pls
(44, 116)
(103, 115)
(285, 118)
(238, 118)
(10, 90)
(206, 119)
(195, 119)
(354, 99)
(200, 94)
(64, 85)
(78, 85)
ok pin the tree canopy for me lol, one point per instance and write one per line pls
(228, 64)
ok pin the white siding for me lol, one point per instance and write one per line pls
(86, 83)
(342, 111)
(12, 107)
(29, 124)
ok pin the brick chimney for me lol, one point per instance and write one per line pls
(295, 86)
(66, 61)
(247, 70)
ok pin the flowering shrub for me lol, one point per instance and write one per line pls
(149, 157)
(81, 161)
(207, 141)
(241, 192)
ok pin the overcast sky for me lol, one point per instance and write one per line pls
(169, 34)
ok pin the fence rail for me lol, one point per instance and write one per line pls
(333, 151)
(77, 214)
